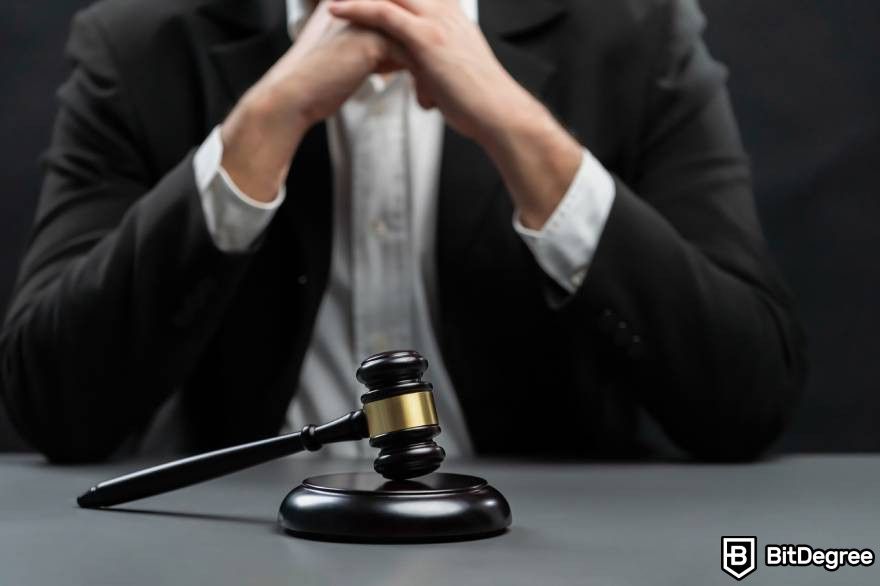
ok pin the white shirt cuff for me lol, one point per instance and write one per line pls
(235, 221)
(565, 246)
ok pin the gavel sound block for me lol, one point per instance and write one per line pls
(399, 418)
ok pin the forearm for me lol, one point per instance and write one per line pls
(94, 344)
(537, 158)
(309, 83)
(708, 346)
(260, 138)
(123, 286)
(718, 358)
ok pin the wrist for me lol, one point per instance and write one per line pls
(273, 108)
(260, 137)
(537, 157)
(508, 114)
(559, 157)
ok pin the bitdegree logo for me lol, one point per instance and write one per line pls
(739, 556)
(806, 555)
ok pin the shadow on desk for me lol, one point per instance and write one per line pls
(244, 519)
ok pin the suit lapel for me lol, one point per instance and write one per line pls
(254, 35)
(515, 19)
(469, 182)
(242, 62)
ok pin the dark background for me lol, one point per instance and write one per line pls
(805, 81)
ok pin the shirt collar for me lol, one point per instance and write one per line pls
(298, 12)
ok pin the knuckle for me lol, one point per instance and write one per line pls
(385, 14)
(435, 35)
(374, 47)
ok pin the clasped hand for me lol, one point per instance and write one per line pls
(448, 56)
(454, 70)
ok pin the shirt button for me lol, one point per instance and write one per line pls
(622, 337)
(378, 343)
(607, 322)
(578, 279)
(380, 228)
(636, 350)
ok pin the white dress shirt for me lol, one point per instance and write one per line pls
(386, 154)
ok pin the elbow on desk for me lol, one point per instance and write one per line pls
(757, 405)
(63, 434)
(64, 443)
(744, 442)
(67, 455)
(75, 440)
(67, 442)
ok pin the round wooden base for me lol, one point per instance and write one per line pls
(366, 508)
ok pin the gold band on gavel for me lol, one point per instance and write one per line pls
(400, 412)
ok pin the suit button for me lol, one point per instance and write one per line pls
(636, 350)
(607, 322)
(302, 279)
(622, 336)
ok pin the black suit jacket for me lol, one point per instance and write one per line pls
(123, 299)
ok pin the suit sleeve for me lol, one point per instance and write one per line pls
(121, 282)
(681, 285)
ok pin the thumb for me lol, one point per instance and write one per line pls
(426, 100)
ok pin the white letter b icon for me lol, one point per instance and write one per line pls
(738, 556)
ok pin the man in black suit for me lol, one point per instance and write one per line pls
(633, 281)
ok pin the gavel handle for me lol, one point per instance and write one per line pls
(195, 469)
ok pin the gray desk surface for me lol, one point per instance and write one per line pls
(573, 524)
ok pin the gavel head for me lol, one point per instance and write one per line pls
(401, 417)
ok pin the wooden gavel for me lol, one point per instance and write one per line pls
(398, 416)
